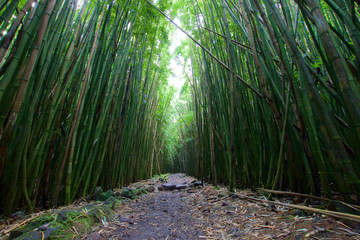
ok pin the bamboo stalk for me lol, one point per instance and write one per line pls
(334, 214)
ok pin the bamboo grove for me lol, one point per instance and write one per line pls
(271, 99)
(275, 94)
(81, 96)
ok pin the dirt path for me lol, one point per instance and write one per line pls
(206, 212)
(160, 215)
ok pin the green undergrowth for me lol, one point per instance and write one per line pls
(162, 177)
(77, 220)
(67, 224)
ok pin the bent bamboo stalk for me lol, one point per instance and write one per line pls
(334, 214)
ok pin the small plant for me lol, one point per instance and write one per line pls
(104, 222)
(162, 177)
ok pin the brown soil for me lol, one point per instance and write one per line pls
(205, 212)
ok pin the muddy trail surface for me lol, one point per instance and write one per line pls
(184, 208)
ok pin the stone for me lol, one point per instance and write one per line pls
(150, 189)
(31, 236)
(299, 213)
(36, 235)
(62, 215)
(162, 179)
(180, 186)
(111, 200)
(118, 194)
(47, 230)
(127, 193)
(169, 186)
(14, 234)
(44, 227)
(18, 215)
(196, 183)
(110, 193)
(93, 236)
(103, 196)
(97, 192)
(125, 219)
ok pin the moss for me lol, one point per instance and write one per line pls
(82, 224)
(104, 196)
(81, 221)
(140, 191)
(127, 193)
(75, 216)
(95, 214)
(112, 201)
(56, 224)
(37, 222)
(133, 192)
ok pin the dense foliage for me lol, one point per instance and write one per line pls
(271, 98)
(275, 88)
(82, 97)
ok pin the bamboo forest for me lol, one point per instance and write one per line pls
(269, 98)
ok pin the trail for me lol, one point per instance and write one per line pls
(160, 215)
(206, 212)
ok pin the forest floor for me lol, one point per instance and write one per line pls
(208, 212)
(182, 207)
